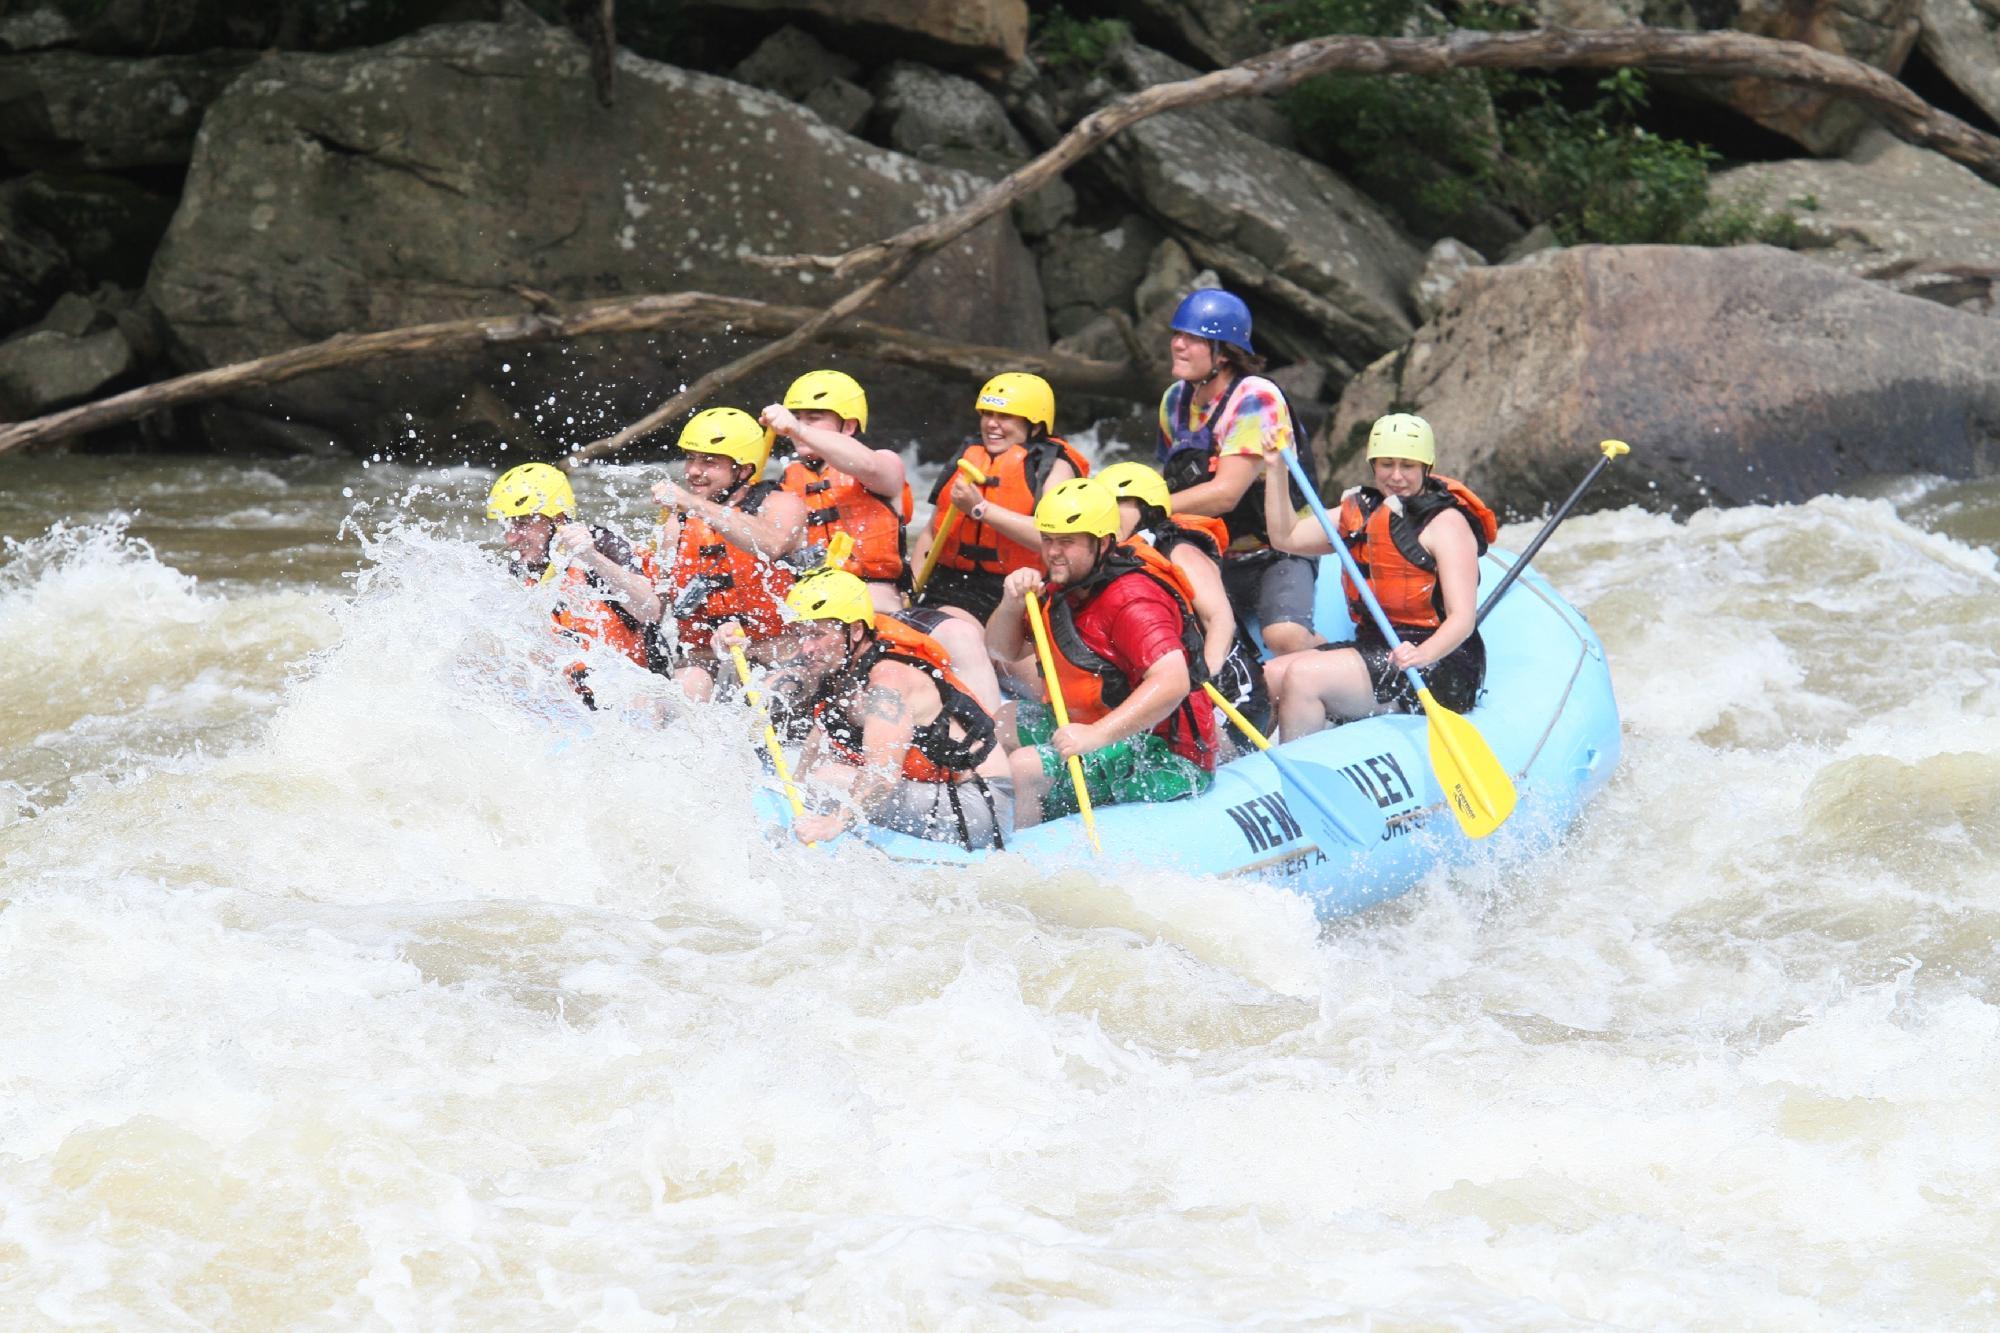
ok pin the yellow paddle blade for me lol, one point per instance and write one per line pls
(1476, 787)
(838, 549)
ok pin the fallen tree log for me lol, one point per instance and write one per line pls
(1111, 379)
(1711, 54)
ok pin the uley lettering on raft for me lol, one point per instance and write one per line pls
(1266, 822)
(1381, 779)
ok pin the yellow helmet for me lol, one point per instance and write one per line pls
(1136, 481)
(532, 488)
(731, 432)
(1400, 435)
(832, 594)
(1022, 395)
(1081, 504)
(829, 391)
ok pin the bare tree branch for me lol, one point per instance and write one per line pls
(1707, 54)
(640, 314)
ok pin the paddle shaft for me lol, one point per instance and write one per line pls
(977, 478)
(1061, 709)
(1354, 574)
(770, 733)
(1521, 561)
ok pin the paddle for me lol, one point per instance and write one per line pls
(1476, 787)
(977, 478)
(1336, 827)
(1061, 709)
(1612, 449)
(770, 734)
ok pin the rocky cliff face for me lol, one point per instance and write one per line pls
(204, 183)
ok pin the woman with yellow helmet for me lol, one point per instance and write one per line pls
(911, 746)
(1418, 537)
(728, 530)
(605, 588)
(1018, 456)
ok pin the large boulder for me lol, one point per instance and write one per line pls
(1891, 212)
(1327, 271)
(1959, 38)
(155, 27)
(981, 32)
(468, 169)
(1739, 376)
(67, 109)
(1881, 33)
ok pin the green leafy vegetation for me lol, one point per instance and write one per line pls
(1455, 155)
(1061, 41)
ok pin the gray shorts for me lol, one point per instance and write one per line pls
(1270, 587)
(975, 819)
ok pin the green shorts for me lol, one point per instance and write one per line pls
(1138, 768)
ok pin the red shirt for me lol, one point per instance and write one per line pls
(1133, 623)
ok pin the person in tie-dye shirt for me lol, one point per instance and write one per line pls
(1217, 419)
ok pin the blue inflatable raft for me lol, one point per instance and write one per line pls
(1547, 712)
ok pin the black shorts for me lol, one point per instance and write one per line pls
(1455, 682)
(964, 589)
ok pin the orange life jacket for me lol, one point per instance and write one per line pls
(1092, 686)
(584, 616)
(715, 580)
(1386, 546)
(1014, 480)
(1208, 526)
(836, 502)
(934, 753)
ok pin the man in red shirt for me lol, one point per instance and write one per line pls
(1127, 650)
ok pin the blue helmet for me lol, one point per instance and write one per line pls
(1210, 312)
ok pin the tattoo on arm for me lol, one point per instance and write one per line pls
(884, 703)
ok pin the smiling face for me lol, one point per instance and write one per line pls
(1002, 430)
(1069, 557)
(709, 475)
(1193, 357)
(1398, 476)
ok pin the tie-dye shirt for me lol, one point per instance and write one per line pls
(1256, 417)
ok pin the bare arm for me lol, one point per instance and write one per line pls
(1011, 524)
(1211, 605)
(880, 470)
(777, 528)
(1223, 491)
(1449, 538)
(1289, 533)
(1007, 629)
(1159, 693)
(628, 586)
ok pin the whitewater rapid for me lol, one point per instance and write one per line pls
(349, 978)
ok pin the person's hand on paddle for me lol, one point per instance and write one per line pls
(1020, 583)
(819, 828)
(964, 495)
(671, 495)
(1406, 655)
(570, 541)
(1076, 740)
(728, 635)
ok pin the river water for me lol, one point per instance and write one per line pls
(346, 981)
